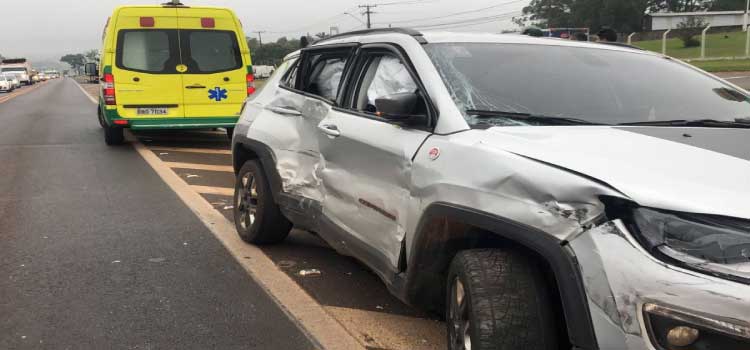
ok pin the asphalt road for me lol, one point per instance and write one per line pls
(96, 252)
(741, 79)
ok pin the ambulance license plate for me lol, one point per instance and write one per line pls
(153, 111)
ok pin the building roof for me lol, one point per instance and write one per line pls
(687, 14)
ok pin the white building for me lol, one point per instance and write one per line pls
(670, 20)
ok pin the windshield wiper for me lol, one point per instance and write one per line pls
(529, 117)
(706, 123)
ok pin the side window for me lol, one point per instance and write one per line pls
(384, 75)
(290, 77)
(323, 74)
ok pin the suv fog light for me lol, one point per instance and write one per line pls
(682, 336)
(670, 329)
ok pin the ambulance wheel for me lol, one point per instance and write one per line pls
(113, 136)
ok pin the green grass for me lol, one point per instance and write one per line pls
(717, 45)
(723, 65)
(723, 45)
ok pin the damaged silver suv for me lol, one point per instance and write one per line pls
(541, 194)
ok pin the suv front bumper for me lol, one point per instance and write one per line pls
(635, 299)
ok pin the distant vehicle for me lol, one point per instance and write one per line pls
(18, 65)
(52, 74)
(13, 79)
(5, 84)
(263, 72)
(163, 73)
(43, 77)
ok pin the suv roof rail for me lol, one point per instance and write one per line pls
(408, 31)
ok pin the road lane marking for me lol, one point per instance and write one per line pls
(93, 100)
(196, 166)
(738, 77)
(191, 150)
(25, 91)
(311, 317)
(221, 191)
(300, 306)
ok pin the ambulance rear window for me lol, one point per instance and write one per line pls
(212, 51)
(148, 51)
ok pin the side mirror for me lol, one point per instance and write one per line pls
(400, 108)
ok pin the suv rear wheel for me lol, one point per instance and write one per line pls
(256, 214)
(498, 299)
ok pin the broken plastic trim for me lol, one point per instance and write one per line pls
(711, 244)
(731, 328)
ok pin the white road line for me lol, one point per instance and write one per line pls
(196, 166)
(320, 327)
(191, 150)
(93, 100)
(739, 77)
(221, 191)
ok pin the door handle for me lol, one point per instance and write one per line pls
(195, 86)
(330, 130)
(287, 111)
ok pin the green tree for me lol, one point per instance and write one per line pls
(689, 28)
(271, 54)
(92, 55)
(76, 61)
(621, 15)
(728, 5)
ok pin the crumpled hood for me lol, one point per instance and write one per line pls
(697, 170)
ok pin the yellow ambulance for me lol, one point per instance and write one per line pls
(172, 66)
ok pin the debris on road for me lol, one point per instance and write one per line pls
(116, 262)
(190, 176)
(157, 260)
(286, 264)
(310, 272)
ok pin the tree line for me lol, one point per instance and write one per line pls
(623, 16)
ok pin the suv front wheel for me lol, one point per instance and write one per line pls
(256, 215)
(498, 299)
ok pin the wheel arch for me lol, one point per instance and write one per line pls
(445, 229)
(245, 149)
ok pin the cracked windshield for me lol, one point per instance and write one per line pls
(375, 175)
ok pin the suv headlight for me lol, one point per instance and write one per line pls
(711, 244)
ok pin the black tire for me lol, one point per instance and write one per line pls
(230, 133)
(100, 117)
(506, 302)
(267, 225)
(113, 136)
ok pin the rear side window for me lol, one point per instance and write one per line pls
(323, 74)
(211, 51)
(150, 51)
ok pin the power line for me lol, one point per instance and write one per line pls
(457, 13)
(471, 21)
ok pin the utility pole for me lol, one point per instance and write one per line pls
(747, 9)
(368, 11)
(260, 37)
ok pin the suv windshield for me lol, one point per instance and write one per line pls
(594, 85)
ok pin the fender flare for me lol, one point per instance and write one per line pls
(558, 256)
(264, 154)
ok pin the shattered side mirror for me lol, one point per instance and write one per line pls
(400, 107)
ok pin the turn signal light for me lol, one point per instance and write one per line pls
(108, 89)
(250, 84)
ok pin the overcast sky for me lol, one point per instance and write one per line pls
(47, 29)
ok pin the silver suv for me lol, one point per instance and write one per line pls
(539, 193)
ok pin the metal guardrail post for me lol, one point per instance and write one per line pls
(703, 41)
(630, 38)
(664, 41)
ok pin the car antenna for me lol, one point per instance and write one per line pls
(173, 3)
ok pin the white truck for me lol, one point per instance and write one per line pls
(20, 67)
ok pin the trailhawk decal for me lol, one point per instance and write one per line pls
(217, 94)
